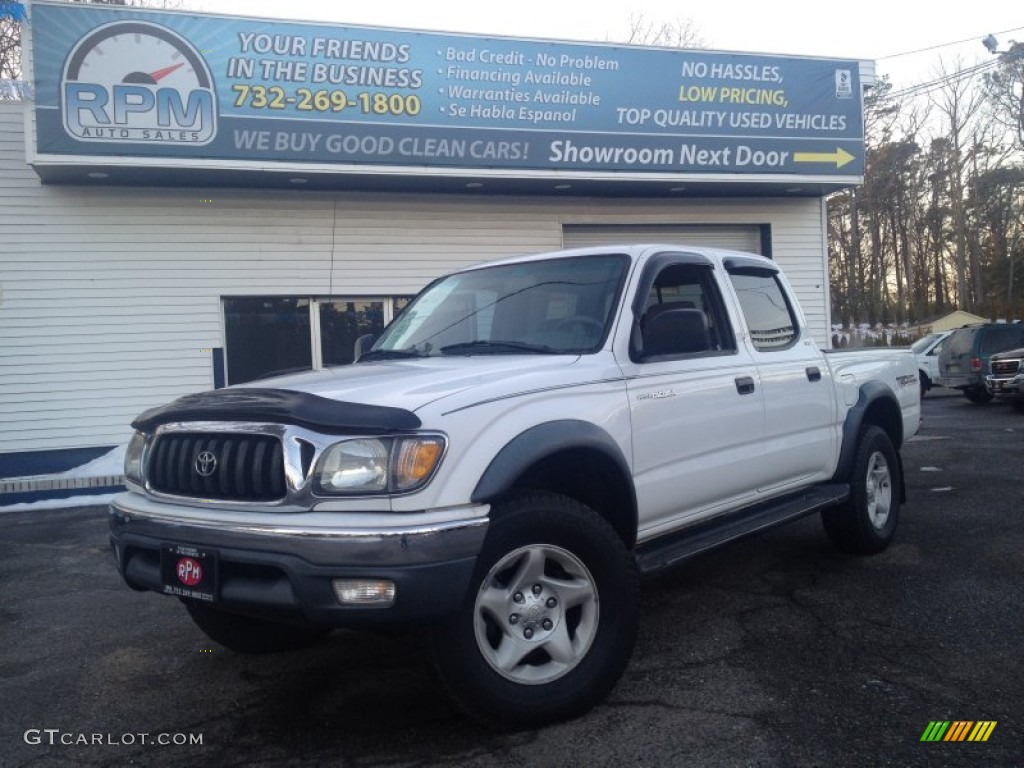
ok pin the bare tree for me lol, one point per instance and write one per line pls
(959, 104)
(1005, 90)
(939, 220)
(677, 33)
(10, 50)
(10, 38)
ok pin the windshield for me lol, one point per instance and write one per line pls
(555, 306)
(921, 345)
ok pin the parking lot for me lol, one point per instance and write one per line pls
(774, 651)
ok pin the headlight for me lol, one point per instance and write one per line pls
(378, 465)
(355, 466)
(133, 457)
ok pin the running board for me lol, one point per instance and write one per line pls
(666, 551)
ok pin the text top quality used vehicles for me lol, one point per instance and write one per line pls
(520, 443)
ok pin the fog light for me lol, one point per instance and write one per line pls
(371, 592)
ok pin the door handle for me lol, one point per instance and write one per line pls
(813, 373)
(745, 385)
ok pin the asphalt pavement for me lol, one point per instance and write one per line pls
(773, 651)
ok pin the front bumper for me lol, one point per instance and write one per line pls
(282, 566)
(1007, 388)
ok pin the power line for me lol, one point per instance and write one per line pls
(932, 85)
(949, 78)
(946, 45)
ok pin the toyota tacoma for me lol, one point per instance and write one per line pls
(501, 465)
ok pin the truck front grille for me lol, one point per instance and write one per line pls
(236, 467)
(1005, 367)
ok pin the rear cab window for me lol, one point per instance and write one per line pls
(766, 308)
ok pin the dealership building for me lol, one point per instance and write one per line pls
(189, 201)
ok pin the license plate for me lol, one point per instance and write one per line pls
(189, 572)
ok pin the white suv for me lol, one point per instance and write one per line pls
(926, 350)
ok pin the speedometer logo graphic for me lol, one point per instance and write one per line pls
(134, 81)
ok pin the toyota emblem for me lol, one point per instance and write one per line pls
(206, 464)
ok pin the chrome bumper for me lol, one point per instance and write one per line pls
(322, 538)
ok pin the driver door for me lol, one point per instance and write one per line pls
(694, 397)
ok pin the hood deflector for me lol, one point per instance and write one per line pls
(280, 406)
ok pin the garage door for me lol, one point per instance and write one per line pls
(737, 238)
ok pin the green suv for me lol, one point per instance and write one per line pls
(965, 356)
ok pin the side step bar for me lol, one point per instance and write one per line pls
(674, 548)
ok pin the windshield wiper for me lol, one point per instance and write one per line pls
(391, 354)
(481, 347)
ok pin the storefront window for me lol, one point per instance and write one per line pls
(398, 303)
(342, 322)
(272, 335)
(266, 336)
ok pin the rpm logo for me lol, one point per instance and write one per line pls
(190, 572)
(133, 82)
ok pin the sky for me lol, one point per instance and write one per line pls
(866, 29)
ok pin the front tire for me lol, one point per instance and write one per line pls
(866, 524)
(978, 396)
(550, 621)
(926, 383)
(249, 635)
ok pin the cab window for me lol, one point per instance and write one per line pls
(766, 309)
(683, 314)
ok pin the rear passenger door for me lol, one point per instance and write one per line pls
(801, 437)
(693, 396)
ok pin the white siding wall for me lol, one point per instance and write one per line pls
(110, 297)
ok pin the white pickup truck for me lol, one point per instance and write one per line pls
(500, 466)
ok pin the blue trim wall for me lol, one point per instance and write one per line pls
(30, 463)
(7, 499)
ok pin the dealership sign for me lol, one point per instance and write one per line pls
(237, 93)
(132, 82)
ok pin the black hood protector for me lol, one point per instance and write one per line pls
(280, 406)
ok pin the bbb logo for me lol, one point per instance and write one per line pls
(136, 82)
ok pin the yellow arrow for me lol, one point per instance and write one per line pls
(840, 157)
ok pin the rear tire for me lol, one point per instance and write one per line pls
(866, 524)
(249, 635)
(550, 621)
(978, 396)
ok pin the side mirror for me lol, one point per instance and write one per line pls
(362, 346)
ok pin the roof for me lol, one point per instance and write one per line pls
(633, 250)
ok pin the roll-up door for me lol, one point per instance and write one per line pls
(734, 237)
